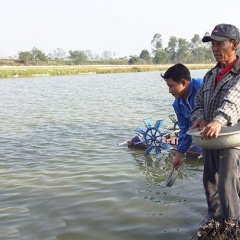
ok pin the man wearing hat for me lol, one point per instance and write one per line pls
(217, 104)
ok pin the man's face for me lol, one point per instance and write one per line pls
(223, 51)
(176, 89)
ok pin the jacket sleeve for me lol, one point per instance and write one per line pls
(229, 112)
(184, 140)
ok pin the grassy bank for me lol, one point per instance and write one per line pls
(32, 71)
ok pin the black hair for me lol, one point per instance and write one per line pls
(177, 72)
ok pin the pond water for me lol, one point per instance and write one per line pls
(63, 174)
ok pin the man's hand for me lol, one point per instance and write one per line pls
(198, 123)
(178, 160)
(211, 130)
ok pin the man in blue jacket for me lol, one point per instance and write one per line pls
(184, 89)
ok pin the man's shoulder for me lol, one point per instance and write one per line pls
(236, 67)
(197, 82)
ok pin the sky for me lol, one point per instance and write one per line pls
(124, 27)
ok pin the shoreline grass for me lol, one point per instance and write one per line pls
(36, 71)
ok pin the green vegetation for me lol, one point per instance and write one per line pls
(177, 50)
(32, 71)
(36, 63)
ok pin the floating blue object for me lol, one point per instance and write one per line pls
(153, 137)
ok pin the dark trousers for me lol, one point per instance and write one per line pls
(221, 183)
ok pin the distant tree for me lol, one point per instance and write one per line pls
(172, 48)
(183, 50)
(25, 57)
(88, 54)
(59, 54)
(145, 55)
(133, 60)
(207, 51)
(161, 56)
(38, 55)
(50, 56)
(96, 56)
(196, 43)
(106, 55)
(208, 55)
(156, 43)
(77, 56)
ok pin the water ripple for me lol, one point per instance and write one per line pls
(63, 175)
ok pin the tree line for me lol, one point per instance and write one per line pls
(177, 50)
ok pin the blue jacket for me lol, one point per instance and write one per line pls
(183, 110)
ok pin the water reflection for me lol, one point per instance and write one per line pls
(157, 168)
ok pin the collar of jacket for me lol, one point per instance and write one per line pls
(236, 66)
(191, 86)
(190, 89)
